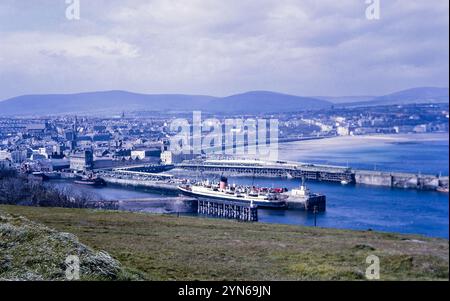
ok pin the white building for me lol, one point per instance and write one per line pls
(167, 157)
(5, 155)
(421, 128)
(138, 154)
(343, 131)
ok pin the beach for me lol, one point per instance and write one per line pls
(425, 153)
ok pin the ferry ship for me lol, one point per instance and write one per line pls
(261, 197)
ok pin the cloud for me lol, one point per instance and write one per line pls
(222, 47)
(34, 44)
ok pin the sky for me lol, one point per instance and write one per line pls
(217, 47)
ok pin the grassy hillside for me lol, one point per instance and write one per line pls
(31, 251)
(157, 247)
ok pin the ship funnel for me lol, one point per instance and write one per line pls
(223, 183)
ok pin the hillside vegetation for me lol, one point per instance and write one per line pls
(30, 251)
(161, 247)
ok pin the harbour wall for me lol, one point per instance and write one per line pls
(162, 205)
(327, 173)
(400, 180)
(154, 185)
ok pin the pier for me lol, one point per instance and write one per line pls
(272, 169)
(316, 172)
(228, 210)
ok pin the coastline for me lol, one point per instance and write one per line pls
(376, 139)
(410, 153)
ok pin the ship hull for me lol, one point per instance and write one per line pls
(93, 183)
(230, 199)
(310, 203)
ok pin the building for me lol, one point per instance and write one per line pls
(5, 155)
(343, 131)
(5, 164)
(37, 130)
(138, 154)
(153, 154)
(19, 156)
(421, 128)
(168, 157)
(82, 161)
(59, 164)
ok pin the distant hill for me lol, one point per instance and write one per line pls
(345, 99)
(266, 101)
(118, 101)
(108, 102)
(409, 96)
(98, 102)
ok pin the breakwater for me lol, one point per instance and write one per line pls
(182, 204)
(161, 205)
(400, 180)
(314, 172)
(143, 183)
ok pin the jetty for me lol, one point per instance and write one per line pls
(229, 210)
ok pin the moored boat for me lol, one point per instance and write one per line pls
(91, 181)
(442, 189)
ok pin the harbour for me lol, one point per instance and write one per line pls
(356, 206)
(316, 172)
(381, 209)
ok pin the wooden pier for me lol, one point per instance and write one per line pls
(228, 210)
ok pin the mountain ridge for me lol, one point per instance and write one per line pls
(258, 101)
(408, 96)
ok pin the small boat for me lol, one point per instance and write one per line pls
(442, 189)
(91, 181)
(344, 182)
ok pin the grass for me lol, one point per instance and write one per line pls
(161, 247)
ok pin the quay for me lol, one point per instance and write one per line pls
(163, 205)
(157, 182)
(208, 207)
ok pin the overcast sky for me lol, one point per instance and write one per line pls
(218, 47)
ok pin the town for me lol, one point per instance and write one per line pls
(81, 143)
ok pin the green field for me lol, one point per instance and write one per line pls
(161, 247)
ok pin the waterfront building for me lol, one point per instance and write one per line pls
(82, 161)
(146, 154)
(343, 131)
(168, 157)
(421, 128)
